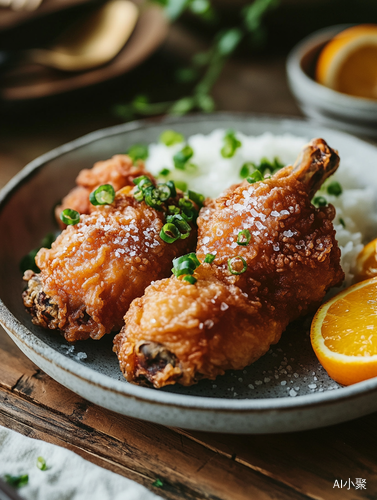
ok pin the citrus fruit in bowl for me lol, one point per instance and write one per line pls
(348, 62)
(344, 334)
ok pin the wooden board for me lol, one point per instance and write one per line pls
(191, 464)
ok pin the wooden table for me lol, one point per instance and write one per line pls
(191, 465)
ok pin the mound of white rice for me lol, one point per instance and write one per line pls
(354, 207)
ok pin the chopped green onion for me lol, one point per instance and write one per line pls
(171, 186)
(164, 192)
(255, 177)
(196, 198)
(182, 157)
(233, 262)
(186, 264)
(173, 209)
(138, 152)
(246, 169)
(209, 258)
(342, 222)
(231, 144)
(182, 225)
(335, 188)
(103, 195)
(170, 233)
(139, 195)
(164, 172)
(41, 463)
(152, 197)
(190, 279)
(319, 201)
(17, 481)
(143, 181)
(244, 237)
(269, 167)
(188, 209)
(181, 185)
(170, 137)
(70, 217)
(158, 483)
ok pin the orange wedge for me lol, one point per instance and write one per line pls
(366, 262)
(344, 334)
(348, 63)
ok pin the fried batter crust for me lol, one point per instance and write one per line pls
(190, 322)
(119, 171)
(96, 268)
(227, 320)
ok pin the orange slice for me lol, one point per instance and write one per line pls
(348, 63)
(344, 334)
(366, 262)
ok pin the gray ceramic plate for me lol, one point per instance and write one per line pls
(251, 401)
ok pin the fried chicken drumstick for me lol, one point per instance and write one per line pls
(285, 260)
(96, 268)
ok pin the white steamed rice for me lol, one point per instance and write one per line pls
(355, 206)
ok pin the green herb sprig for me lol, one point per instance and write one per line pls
(17, 481)
(206, 67)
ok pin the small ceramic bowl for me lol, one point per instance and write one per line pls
(331, 108)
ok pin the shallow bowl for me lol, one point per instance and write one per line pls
(326, 106)
(249, 401)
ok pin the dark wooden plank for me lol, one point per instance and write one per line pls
(188, 469)
(309, 461)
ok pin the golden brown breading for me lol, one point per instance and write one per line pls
(179, 332)
(175, 331)
(119, 171)
(96, 268)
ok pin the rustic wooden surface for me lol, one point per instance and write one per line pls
(192, 465)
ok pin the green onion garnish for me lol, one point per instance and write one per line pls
(170, 233)
(103, 195)
(17, 481)
(209, 258)
(152, 197)
(190, 279)
(164, 192)
(179, 221)
(342, 222)
(173, 192)
(138, 152)
(320, 201)
(196, 198)
(244, 237)
(164, 172)
(186, 264)
(41, 463)
(142, 181)
(231, 144)
(170, 137)
(70, 217)
(246, 169)
(334, 188)
(181, 185)
(233, 265)
(255, 177)
(158, 483)
(182, 157)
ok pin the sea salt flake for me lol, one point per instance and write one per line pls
(292, 393)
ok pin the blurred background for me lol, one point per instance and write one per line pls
(69, 67)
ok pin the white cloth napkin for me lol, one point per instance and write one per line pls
(68, 476)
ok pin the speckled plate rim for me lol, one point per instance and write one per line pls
(25, 338)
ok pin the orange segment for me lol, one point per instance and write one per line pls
(348, 63)
(344, 334)
(366, 262)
